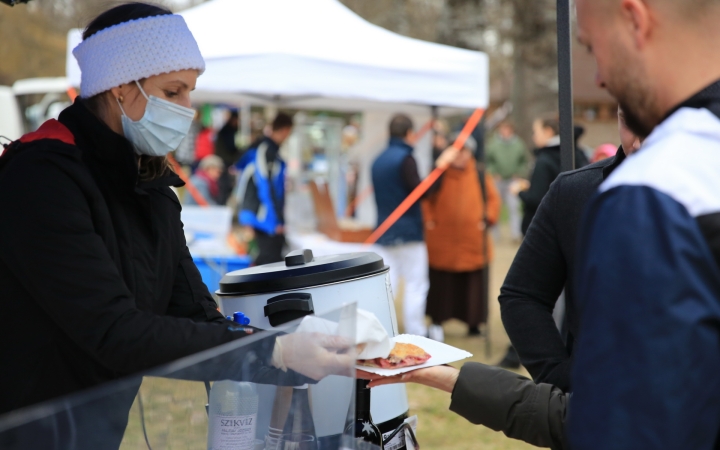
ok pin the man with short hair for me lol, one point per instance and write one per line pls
(507, 161)
(262, 190)
(648, 286)
(395, 176)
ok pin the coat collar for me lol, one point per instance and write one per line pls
(615, 162)
(397, 142)
(109, 155)
(708, 98)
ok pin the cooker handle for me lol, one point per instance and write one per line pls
(299, 257)
(287, 307)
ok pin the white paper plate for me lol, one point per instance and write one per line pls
(440, 354)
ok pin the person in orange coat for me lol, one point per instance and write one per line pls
(459, 248)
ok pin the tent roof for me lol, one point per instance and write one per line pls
(292, 51)
(318, 54)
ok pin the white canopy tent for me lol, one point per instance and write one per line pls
(318, 54)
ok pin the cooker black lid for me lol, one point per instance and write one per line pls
(300, 270)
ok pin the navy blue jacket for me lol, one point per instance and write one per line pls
(647, 357)
(390, 191)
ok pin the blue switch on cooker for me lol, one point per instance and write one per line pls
(241, 318)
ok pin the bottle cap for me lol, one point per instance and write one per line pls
(240, 318)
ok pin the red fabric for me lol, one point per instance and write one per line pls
(204, 144)
(52, 129)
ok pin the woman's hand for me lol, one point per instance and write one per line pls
(314, 355)
(518, 185)
(447, 157)
(438, 377)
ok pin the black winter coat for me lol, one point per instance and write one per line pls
(506, 401)
(547, 168)
(543, 267)
(97, 281)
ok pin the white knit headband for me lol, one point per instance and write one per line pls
(135, 50)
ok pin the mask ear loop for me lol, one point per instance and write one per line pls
(120, 105)
(141, 90)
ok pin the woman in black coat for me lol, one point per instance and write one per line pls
(97, 281)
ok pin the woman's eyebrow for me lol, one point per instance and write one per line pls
(180, 82)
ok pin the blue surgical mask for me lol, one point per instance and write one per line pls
(161, 129)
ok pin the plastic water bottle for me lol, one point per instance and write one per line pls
(233, 416)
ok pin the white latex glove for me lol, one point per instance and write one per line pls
(314, 355)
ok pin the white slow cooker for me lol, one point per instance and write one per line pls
(274, 294)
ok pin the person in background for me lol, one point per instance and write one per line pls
(225, 146)
(440, 137)
(227, 149)
(531, 411)
(546, 138)
(204, 144)
(459, 249)
(261, 189)
(506, 157)
(205, 179)
(604, 151)
(395, 176)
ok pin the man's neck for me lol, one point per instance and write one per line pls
(689, 68)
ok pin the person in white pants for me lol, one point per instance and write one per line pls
(395, 176)
(506, 157)
(410, 262)
(512, 202)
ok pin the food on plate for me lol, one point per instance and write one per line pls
(402, 355)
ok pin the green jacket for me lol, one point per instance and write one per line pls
(506, 158)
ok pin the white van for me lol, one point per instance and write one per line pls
(41, 99)
(11, 123)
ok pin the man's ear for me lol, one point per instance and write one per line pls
(638, 19)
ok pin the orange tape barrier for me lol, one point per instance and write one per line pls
(192, 190)
(369, 190)
(427, 182)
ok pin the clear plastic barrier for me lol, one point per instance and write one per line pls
(230, 397)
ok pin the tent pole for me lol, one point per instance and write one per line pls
(565, 96)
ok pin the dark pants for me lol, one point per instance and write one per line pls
(458, 295)
(270, 247)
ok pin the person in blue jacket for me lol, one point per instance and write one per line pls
(261, 190)
(648, 277)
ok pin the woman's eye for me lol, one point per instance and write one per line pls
(171, 94)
